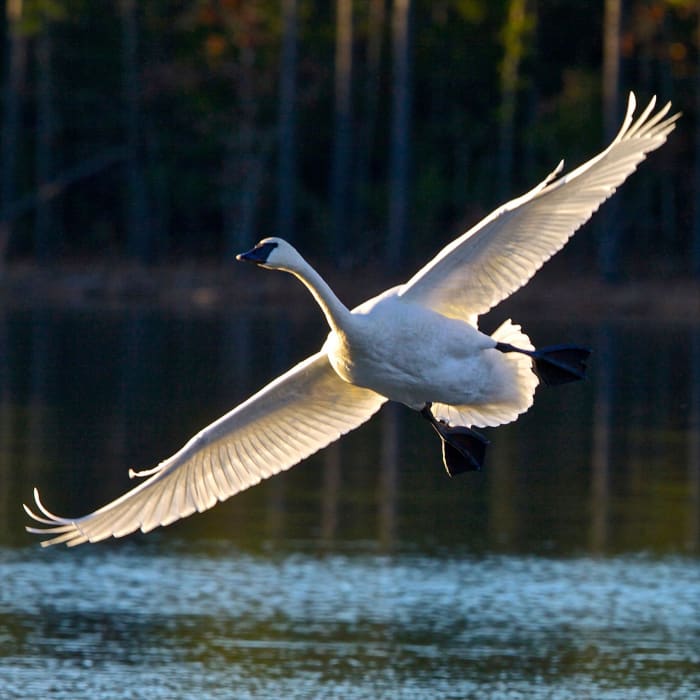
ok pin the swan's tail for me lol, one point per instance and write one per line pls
(511, 386)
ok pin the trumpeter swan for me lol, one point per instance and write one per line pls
(417, 343)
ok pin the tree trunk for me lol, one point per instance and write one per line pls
(400, 134)
(368, 125)
(44, 245)
(513, 44)
(342, 143)
(695, 244)
(530, 160)
(14, 83)
(138, 240)
(667, 241)
(242, 176)
(608, 243)
(287, 118)
(243, 164)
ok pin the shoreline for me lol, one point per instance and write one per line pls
(206, 288)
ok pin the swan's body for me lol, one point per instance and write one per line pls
(413, 355)
(417, 343)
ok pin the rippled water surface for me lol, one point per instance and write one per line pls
(139, 622)
(569, 569)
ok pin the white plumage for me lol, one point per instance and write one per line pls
(417, 343)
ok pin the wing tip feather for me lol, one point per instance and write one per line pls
(64, 530)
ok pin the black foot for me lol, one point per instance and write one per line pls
(463, 449)
(555, 364)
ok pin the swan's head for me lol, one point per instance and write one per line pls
(273, 254)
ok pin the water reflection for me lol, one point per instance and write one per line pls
(694, 443)
(568, 569)
(608, 465)
(601, 438)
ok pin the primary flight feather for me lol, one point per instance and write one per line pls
(417, 343)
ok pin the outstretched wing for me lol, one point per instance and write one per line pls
(502, 252)
(295, 415)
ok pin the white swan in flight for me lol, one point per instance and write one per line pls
(417, 343)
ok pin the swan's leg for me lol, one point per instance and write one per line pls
(463, 449)
(555, 364)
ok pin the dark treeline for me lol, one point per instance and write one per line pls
(163, 130)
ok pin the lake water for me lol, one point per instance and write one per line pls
(568, 569)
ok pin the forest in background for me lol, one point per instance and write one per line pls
(374, 130)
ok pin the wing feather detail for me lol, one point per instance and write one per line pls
(501, 253)
(295, 415)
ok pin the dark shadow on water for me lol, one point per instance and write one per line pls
(603, 466)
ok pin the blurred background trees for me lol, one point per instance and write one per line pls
(364, 130)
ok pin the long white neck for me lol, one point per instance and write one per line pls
(336, 313)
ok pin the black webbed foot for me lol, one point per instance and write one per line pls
(560, 364)
(555, 364)
(463, 449)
